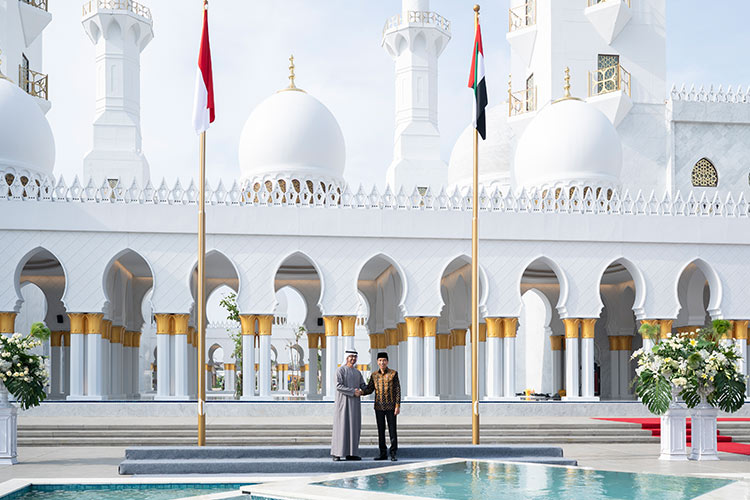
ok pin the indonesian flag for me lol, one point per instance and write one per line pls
(476, 82)
(203, 111)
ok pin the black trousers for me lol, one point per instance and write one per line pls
(380, 417)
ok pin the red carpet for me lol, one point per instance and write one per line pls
(724, 443)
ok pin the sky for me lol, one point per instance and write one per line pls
(339, 60)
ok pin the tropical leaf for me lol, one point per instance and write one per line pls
(655, 392)
(729, 395)
(691, 396)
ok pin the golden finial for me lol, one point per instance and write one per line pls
(476, 9)
(291, 72)
(292, 76)
(567, 83)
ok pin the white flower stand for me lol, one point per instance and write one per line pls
(673, 433)
(8, 429)
(704, 444)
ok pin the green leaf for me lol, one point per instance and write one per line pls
(691, 396)
(729, 395)
(655, 392)
(40, 331)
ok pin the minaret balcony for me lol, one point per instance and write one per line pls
(39, 4)
(610, 92)
(34, 83)
(523, 16)
(417, 18)
(93, 6)
(609, 17)
(522, 101)
(611, 79)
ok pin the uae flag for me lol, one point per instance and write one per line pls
(203, 112)
(476, 82)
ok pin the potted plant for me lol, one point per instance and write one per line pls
(22, 374)
(690, 371)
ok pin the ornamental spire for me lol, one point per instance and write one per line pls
(292, 76)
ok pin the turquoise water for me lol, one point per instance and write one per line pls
(484, 480)
(119, 491)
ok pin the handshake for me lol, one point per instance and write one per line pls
(357, 392)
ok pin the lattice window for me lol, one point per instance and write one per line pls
(608, 75)
(705, 174)
(530, 94)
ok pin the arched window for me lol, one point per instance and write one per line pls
(705, 174)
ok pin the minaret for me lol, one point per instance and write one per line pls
(415, 39)
(119, 32)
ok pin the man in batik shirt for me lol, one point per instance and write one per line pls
(384, 383)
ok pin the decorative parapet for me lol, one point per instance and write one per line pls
(418, 17)
(522, 16)
(39, 4)
(92, 6)
(521, 101)
(33, 82)
(574, 200)
(710, 95)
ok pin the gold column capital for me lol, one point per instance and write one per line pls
(331, 326)
(413, 327)
(77, 323)
(740, 329)
(7, 322)
(313, 340)
(510, 327)
(614, 342)
(373, 340)
(391, 336)
(127, 339)
(247, 322)
(208, 367)
(348, 325)
(163, 323)
(94, 323)
(571, 327)
(429, 326)
(230, 366)
(265, 324)
(626, 343)
(495, 327)
(665, 326)
(459, 336)
(117, 334)
(588, 328)
(402, 331)
(55, 339)
(483, 332)
(556, 342)
(106, 329)
(181, 324)
(136, 339)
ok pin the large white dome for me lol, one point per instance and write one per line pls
(495, 153)
(26, 141)
(568, 143)
(292, 135)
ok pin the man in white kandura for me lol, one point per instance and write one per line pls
(347, 417)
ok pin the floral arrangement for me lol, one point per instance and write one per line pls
(695, 365)
(23, 373)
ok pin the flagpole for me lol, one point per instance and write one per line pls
(201, 298)
(475, 282)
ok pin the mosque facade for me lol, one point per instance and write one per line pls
(607, 201)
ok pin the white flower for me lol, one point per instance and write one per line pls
(680, 381)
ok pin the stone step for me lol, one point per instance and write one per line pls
(281, 466)
(284, 440)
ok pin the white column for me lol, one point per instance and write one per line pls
(571, 368)
(8, 429)
(248, 367)
(587, 358)
(415, 349)
(65, 366)
(264, 367)
(209, 377)
(56, 370)
(557, 368)
(181, 366)
(444, 372)
(106, 362)
(321, 373)
(230, 380)
(332, 363)
(509, 367)
(430, 367)
(348, 343)
(625, 376)
(127, 371)
(163, 368)
(614, 368)
(402, 356)
(459, 364)
(117, 371)
(482, 370)
(494, 367)
(94, 371)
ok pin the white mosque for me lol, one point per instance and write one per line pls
(606, 201)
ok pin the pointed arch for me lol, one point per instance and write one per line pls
(454, 264)
(562, 281)
(21, 265)
(372, 265)
(296, 258)
(714, 286)
(638, 280)
(217, 270)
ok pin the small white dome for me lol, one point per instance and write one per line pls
(26, 140)
(495, 153)
(568, 143)
(292, 135)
